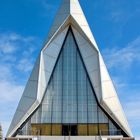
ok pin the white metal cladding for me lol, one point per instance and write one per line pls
(70, 13)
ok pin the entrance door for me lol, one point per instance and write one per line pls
(69, 130)
(73, 130)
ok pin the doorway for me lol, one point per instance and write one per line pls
(69, 130)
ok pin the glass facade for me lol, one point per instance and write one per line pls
(69, 98)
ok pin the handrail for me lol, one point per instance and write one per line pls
(110, 132)
(127, 138)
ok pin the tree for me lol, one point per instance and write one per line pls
(0, 132)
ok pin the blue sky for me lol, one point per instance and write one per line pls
(24, 25)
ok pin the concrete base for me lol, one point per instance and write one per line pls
(70, 138)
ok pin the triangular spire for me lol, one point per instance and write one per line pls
(70, 14)
(68, 9)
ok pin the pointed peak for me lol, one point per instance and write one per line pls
(70, 1)
(69, 7)
(66, 9)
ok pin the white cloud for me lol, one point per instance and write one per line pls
(6, 47)
(15, 58)
(133, 113)
(10, 91)
(17, 50)
(125, 56)
(15, 61)
(120, 12)
(7, 42)
(25, 65)
(131, 107)
(5, 125)
(5, 72)
(10, 95)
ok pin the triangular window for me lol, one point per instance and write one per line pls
(70, 98)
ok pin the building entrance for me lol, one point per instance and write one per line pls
(69, 130)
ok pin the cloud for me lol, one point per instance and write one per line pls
(9, 96)
(121, 12)
(17, 50)
(123, 57)
(17, 55)
(10, 91)
(131, 107)
(4, 125)
(24, 65)
(133, 111)
(9, 42)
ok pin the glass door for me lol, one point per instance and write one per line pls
(69, 130)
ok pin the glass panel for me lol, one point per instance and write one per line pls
(92, 106)
(47, 105)
(57, 93)
(82, 92)
(102, 116)
(36, 118)
(112, 129)
(56, 130)
(82, 130)
(26, 129)
(69, 81)
(93, 129)
(103, 129)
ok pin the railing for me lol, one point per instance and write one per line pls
(38, 132)
(110, 132)
(18, 138)
(29, 132)
(120, 139)
(110, 135)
